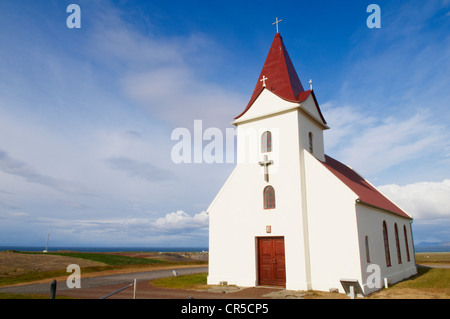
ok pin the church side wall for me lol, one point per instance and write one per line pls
(332, 228)
(370, 224)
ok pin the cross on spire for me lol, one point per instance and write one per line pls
(276, 22)
(266, 164)
(263, 80)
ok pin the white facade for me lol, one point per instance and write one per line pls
(323, 225)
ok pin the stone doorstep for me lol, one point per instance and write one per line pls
(223, 289)
(278, 294)
(286, 294)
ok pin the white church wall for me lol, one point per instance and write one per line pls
(306, 126)
(232, 217)
(285, 220)
(237, 215)
(370, 224)
(332, 228)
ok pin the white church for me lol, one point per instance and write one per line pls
(291, 216)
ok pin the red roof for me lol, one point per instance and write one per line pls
(366, 192)
(282, 79)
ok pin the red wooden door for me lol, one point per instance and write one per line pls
(271, 261)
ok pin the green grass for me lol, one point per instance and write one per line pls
(112, 260)
(29, 296)
(194, 281)
(428, 278)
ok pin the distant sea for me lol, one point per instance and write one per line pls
(418, 249)
(432, 249)
(105, 249)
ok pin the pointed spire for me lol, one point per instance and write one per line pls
(279, 74)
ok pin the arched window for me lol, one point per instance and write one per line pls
(367, 250)
(386, 245)
(406, 243)
(310, 137)
(269, 197)
(266, 142)
(397, 243)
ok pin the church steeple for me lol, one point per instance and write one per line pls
(278, 75)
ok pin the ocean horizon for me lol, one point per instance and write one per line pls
(105, 249)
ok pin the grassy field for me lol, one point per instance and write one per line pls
(429, 283)
(112, 260)
(23, 267)
(433, 258)
(195, 281)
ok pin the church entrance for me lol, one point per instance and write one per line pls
(271, 261)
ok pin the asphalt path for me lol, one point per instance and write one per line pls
(100, 281)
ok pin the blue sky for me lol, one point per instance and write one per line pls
(86, 115)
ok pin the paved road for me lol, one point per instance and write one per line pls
(100, 281)
(433, 266)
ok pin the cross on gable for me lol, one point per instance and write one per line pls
(266, 164)
(263, 80)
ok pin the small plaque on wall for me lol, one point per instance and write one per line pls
(268, 229)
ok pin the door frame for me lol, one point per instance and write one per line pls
(257, 242)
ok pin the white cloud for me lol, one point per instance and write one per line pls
(179, 220)
(423, 200)
(372, 145)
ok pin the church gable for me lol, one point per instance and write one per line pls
(267, 103)
(310, 106)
